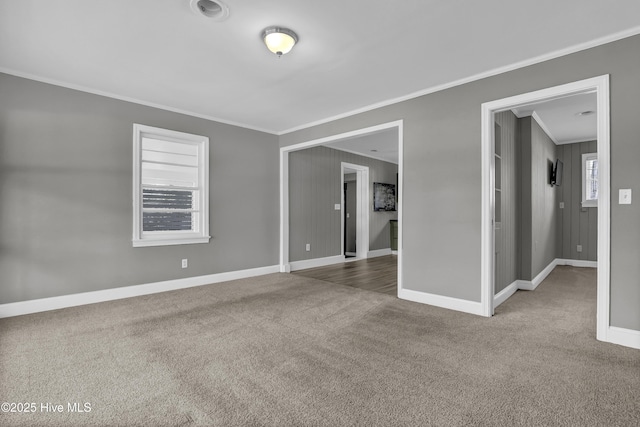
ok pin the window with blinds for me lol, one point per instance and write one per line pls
(170, 187)
(590, 180)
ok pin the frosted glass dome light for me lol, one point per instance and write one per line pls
(279, 40)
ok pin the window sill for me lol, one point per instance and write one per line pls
(167, 242)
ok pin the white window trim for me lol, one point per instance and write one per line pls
(202, 236)
(587, 203)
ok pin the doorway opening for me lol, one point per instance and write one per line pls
(290, 243)
(491, 193)
(355, 215)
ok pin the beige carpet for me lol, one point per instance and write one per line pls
(282, 350)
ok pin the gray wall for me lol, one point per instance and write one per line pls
(543, 199)
(508, 244)
(442, 135)
(576, 225)
(314, 188)
(66, 195)
(526, 199)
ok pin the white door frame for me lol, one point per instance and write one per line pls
(362, 213)
(285, 266)
(599, 85)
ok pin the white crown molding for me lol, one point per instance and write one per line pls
(73, 300)
(516, 65)
(544, 127)
(362, 154)
(493, 72)
(85, 89)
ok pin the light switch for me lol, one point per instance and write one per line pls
(624, 197)
(561, 205)
(336, 206)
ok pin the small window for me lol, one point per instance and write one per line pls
(590, 180)
(170, 187)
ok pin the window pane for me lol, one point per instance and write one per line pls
(592, 179)
(167, 221)
(167, 199)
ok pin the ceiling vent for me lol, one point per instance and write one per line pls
(216, 10)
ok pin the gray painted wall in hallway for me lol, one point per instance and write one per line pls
(441, 246)
(576, 225)
(314, 188)
(66, 195)
(526, 199)
(508, 244)
(543, 198)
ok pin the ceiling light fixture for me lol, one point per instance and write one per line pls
(279, 40)
(216, 10)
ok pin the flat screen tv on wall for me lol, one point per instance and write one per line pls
(556, 175)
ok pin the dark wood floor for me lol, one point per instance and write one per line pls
(378, 274)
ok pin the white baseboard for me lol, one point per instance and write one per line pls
(441, 301)
(394, 252)
(504, 294)
(379, 252)
(540, 277)
(316, 262)
(285, 268)
(622, 336)
(64, 301)
(351, 253)
(530, 285)
(577, 263)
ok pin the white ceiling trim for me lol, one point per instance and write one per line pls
(544, 127)
(132, 100)
(528, 62)
(555, 54)
(360, 153)
(546, 130)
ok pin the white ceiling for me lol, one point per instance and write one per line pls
(381, 145)
(352, 55)
(562, 119)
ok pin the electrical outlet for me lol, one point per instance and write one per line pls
(185, 263)
(579, 248)
(308, 247)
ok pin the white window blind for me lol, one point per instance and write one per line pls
(171, 189)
